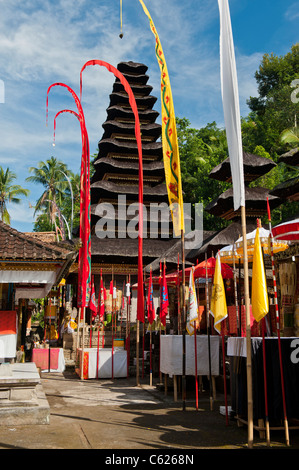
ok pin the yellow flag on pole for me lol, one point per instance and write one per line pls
(259, 294)
(171, 155)
(193, 307)
(218, 307)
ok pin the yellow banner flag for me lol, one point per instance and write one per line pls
(171, 155)
(218, 307)
(259, 294)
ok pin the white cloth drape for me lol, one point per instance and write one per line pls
(231, 106)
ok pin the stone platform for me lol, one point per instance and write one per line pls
(22, 399)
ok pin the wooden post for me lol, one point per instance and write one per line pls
(137, 354)
(248, 333)
(82, 350)
(183, 322)
(208, 332)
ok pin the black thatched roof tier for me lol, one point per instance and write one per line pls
(218, 240)
(135, 68)
(115, 214)
(111, 166)
(149, 132)
(122, 99)
(256, 203)
(126, 114)
(254, 167)
(138, 90)
(287, 190)
(171, 255)
(290, 158)
(106, 190)
(129, 149)
(128, 248)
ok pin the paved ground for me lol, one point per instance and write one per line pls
(106, 414)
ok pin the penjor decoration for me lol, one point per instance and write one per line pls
(132, 101)
(84, 268)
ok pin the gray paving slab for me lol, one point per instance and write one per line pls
(111, 415)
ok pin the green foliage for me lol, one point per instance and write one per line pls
(272, 111)
(200, 151)
(9, 192)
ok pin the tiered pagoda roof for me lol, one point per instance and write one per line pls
(254, 167)
(117, 172)
(256, 197)
(288, 189)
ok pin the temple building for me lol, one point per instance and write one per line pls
(115, 184)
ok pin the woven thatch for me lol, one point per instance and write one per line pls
(113, 145)
(123, 99)
(145, 115)
(287, 190)
(108, 188)
(108, 164)
(138, 89)
(128, 247)
(256, 203)
(132, 68)
(290, 158)
(218, 240)
(151, 130)
(254, 167)
(171, 255)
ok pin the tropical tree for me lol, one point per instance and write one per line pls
(9, 192)
(51, 175)
(200, 151)
(290, 136)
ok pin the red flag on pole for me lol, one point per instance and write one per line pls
(92, 302)
(164, 299)
(102, 298)
(150, 301)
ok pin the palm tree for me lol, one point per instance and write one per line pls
(290, 136)
(51, 174)
(9, 192)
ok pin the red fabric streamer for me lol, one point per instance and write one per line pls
(132, 101)
(150, 301)
(92, 302)
(164, 299)
(102, 298)
(84, 264)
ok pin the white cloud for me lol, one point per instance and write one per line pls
(292, 12)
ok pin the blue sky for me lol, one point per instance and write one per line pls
(42, 42)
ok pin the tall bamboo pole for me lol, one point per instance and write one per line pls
(184, 321)
(137, 354)
(286, 426)
(248, 333)
(209, 333)
(82, 349)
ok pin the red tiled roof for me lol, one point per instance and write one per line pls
(17, 245)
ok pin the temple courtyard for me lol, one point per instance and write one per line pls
(116, 414)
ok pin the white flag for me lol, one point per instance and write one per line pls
(231, 106)
(114, 293)
(193, 308)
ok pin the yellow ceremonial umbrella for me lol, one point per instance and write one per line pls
(264, 236)
(228, 254)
